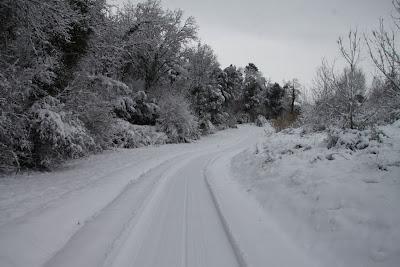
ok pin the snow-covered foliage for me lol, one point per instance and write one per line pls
(206, 127)
(176, 119)
(100, 63)
(57, 135)
(137, 110)
(260, 97)
(206, 92)
(354, 139)
(154, 40)
(127, 135)
(261, 121)
(254, 86)
(334, 194)
(338, 98)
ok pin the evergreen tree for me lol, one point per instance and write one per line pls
(254, 86)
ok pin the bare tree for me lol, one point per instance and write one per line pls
(384, 53)
(292, 89)
(350, 88)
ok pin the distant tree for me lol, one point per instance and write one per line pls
(201, 65)
(232, 81)
(292, 91)
(351, 86)
(254, 86)
(204, 83)
(251, 68)
(384, 51)
(274, 100)
(338, 97)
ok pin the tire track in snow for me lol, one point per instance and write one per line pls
(256, 238)
(185, 226)
(112, 222)
(240, 255)
(167, 234)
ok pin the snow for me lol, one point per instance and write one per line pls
(241, 197)
(180, 225)
(256, 237)
(340, 204)
(82, 213)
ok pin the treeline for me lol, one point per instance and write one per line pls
(77, 77)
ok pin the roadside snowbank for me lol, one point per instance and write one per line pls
(255, 237)
(340, 204)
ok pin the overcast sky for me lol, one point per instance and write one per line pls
(284, 38)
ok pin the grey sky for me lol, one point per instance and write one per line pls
(284, 38)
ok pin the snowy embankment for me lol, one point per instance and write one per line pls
(255, 236)
(341, 205)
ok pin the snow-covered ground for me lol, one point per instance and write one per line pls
(147, 207)
(341, 205)
(241, 197)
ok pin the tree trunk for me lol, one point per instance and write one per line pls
(293, 99)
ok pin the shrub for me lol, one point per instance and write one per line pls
(176, 119)
(90, 98)
(126, 135)
(15, 145)
(284, 121)
(243, 118)
(353, 139)
(137, 110)
(261, 121)
(206, 127)
(56, 135)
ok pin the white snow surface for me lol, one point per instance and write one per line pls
(144, 207)
(240, 197)
(339, 205)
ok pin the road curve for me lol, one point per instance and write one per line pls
(181, 227)
(167, 217)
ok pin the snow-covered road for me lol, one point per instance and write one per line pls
(159, 212)
(180, 227)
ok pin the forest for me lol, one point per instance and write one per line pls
(78, 77)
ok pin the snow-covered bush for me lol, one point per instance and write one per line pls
(243, 118)
(56, 135)
(261, 121)
(353, 139)
(176, 119)
(137, 110)
(127, 135)
(91, 97)
(15, 145)
(206, 127)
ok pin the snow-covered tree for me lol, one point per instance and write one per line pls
(292, 92)
(351, 85)
(154, 41)
(231, 80)
(384, 51)
(205, 91)
(274, 100)
(254, 88)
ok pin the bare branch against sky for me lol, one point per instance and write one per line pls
(283, 38)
